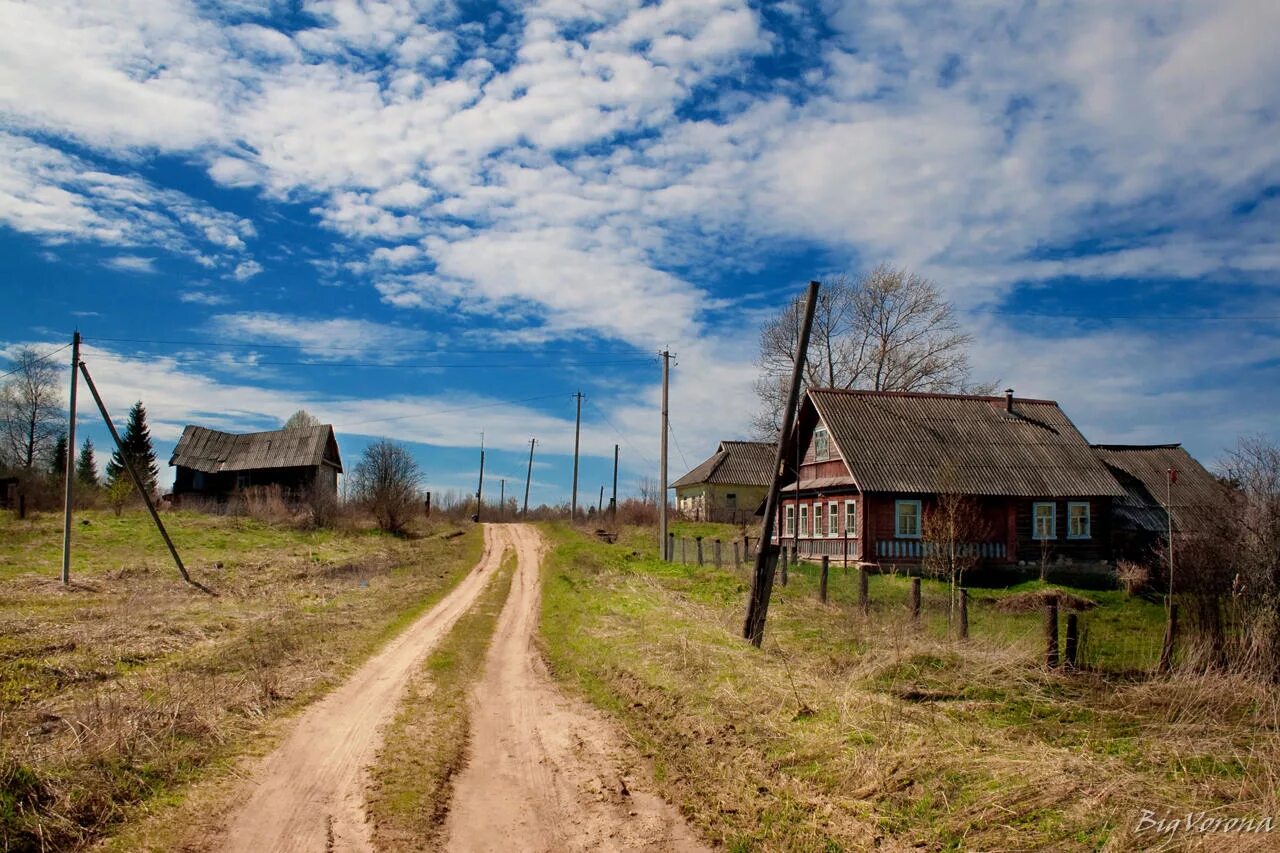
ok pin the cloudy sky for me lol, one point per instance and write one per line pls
(426, 219)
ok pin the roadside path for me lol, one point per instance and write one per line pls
(546, 772)
(308, 795)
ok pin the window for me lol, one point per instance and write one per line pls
(821, 445)
(850, 518)
(1044, 521)
(197, 480)
(1078, 526)
(242, 481)
(804, 519)
(906, 519)
(731, 500)
(819, 523)
(790, 525)
(833, 519)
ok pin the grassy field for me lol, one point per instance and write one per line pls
(426, 743)
(117, 691)
(848, 732)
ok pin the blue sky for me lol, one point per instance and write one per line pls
(429, 220)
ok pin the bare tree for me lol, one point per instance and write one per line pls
(31, 414)
(648, 489)
(301, 418)
(888, 330)
(386, 480)
(1254, 466)
(951, 532)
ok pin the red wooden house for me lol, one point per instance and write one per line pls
(869, 466)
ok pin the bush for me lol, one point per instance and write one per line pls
(386, 481)
(1134, 577)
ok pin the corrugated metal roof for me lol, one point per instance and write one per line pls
(1143, 470)
(735, 463)
(212, 451)
(909, 442)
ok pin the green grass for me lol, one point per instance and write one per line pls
(122, 689)
(846, 731)
(426, 744)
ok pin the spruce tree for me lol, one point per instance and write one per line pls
(87, 466)
(137, 443)
(58, 458)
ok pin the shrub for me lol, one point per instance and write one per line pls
(386, 481)
(1134, 577)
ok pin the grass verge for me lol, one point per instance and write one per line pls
(847, 732)
(426, 744)
(121, 690)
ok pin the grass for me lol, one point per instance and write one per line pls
(426, 743)
(848, 732)
(120, 690)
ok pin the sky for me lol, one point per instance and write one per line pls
(429, 220)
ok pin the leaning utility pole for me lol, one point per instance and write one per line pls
(613, 501)
(767, 555)
(662, 461)
(528, 477)
(577, 432)
(71, 463)
(480, 487)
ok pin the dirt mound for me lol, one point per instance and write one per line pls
(1029, 602)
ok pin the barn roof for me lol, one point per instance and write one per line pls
(1143, 470)
(212, 451)
(735, 463)
(897, 441)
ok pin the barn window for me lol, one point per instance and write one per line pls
(1078, 526)
(906, 519)
(821, 445)
(1044, 520)
(197, 480)
(242, 481)
(850, 518)
(790, 525)
(731, 500)
(833, 519)
(804, 519)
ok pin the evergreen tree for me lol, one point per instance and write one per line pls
(137, 443)
(87, 466)
(58, 458)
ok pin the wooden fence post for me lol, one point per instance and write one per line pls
(915, 599)
(1170, 637)
(682, 555)
(1073, 639)
(1051, 634)
(822, 583)
(864, 590)
(736, 561)
(671, 548)
(716, 548)
(699, 541)
(786, 561)
(964, 613)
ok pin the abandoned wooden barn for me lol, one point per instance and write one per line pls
(729, 485)
(216, 464)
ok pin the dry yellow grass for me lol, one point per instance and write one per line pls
(119, 690)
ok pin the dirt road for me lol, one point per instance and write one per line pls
(308, 795)
(546, 773)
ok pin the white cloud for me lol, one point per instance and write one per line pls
(246, 270)
(337, 338)
(131, 263)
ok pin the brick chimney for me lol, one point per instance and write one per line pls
(1008, 400)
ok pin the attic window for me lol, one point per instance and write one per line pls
(821, 445)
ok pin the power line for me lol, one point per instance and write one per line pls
(643, 458)
(41, 358)
(329, 347)
(672, 430)
(449, 411)
(189, 359)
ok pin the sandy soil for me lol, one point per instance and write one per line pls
(547, 773)
(308, 795)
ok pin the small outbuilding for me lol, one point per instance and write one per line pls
(215, 464)
(728, 486)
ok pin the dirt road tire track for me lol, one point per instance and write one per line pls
(308, 795)
(546, 772)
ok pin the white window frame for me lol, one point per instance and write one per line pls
(1053, 521)
(819, 521)
(850, 515)
(804, 520)
(1088, 520)
(825, 453)
(789, 522)
(897, 519)
(833, 519)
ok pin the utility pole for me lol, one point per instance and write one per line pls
(502, 498)
(529, 476)
(613, 501)
(600, 503)
(766, 556)
(662, 461)
(577, 432)
(480, 487)
(71, 463)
